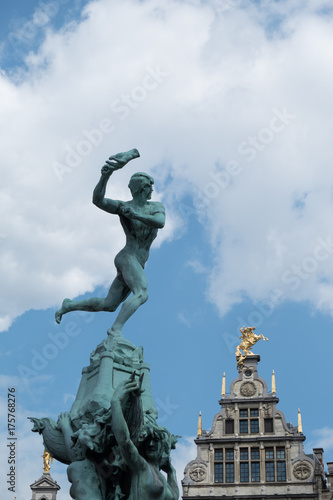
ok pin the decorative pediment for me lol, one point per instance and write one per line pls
(44, 484)
(45, 481)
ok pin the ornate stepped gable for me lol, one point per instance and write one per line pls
(251, 451)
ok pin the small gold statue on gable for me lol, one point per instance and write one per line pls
(248, 340)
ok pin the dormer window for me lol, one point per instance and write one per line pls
(268, 425)
(249, 420)
(229, 426)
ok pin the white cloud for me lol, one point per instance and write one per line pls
(197, 267)
(186, 451)
(224, 83)
(182, 317)
(322, 438)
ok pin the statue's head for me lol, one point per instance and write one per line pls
(155, 444)
(152, 448)
(139, 182)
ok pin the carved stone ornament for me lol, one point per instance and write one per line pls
(248, 389)
(229, 411)
(268, 410)
(198, 473)
(302, 470)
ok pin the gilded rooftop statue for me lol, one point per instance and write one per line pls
(46, 461)
(248, 340)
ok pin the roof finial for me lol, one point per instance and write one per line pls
(199, 425)
(223, 385)
(299, 425)
(273, 383)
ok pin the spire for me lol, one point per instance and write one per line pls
(299, 426)
(273, 383)
(199, 425)
(223, 385)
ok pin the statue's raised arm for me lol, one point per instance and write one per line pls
(151, 454)
(111, 165)
(140, 219)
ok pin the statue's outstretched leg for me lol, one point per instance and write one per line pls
(135, 278)
(117, 294)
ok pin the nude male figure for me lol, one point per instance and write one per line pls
(140, 219)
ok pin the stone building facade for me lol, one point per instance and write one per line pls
(252, 452)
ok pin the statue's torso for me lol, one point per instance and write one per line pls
(149, 484)
(140, 236)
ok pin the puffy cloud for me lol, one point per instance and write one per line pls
(186, 451)
(227, 103)
(322, 438)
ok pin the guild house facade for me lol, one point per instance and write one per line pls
(252, 452)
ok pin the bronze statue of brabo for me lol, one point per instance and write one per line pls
(140, 219)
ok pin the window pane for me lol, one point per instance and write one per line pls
(219, 454)
(280, 452)
(270, 471)
(229, 454)
(255, 453)
(244, 454)
(269, 453)
(229, 472)
(268, 425)
(255, 471)
(281, 471)
(254, 412)
(218, 473)
(244, 472)
(254, 424)
(229, 426)
(243, 426)
(243, 413)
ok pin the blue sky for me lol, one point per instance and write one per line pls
(228, 104)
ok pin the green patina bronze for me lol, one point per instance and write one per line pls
(140, 219)
(144, 459)
(110, 438)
